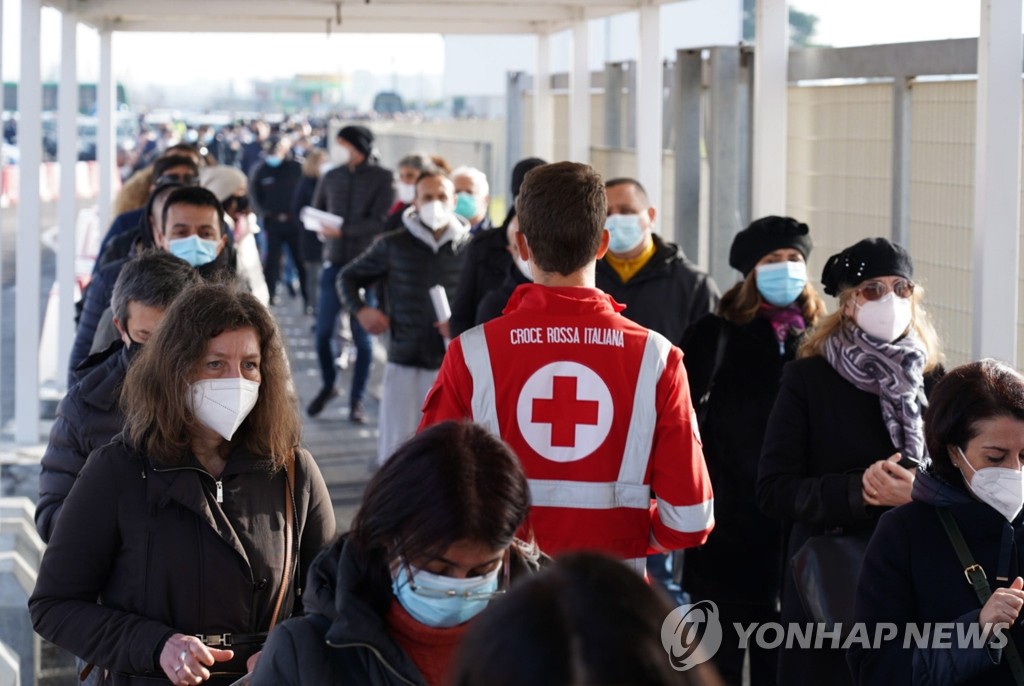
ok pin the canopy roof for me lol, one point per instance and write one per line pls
(350, 16)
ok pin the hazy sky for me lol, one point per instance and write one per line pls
(167, 59)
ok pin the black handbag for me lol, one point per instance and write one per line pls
(826, 569)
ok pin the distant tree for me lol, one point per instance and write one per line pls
(801, 25)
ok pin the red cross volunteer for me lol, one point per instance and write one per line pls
(598, 410)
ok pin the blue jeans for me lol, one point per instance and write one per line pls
(328, 310)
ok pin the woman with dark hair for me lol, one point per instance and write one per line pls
(587, 619)
(845, 436)
(913, 572)
(734, 362)
(431, 546)
(190, 534)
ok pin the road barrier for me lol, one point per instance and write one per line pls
(87, 182)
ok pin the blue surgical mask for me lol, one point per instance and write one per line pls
(626, 232)
(781, 283)
(442, 601)
(465, 205)
(273, 161)
(194, 250)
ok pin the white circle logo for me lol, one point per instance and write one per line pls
(691, 634)
(565, 411)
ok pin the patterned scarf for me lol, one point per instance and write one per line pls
(784, 320)
(892, 371)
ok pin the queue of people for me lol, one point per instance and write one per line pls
(592, 398)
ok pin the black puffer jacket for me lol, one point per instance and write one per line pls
(97, 299)
(411, 267)
(163, 555)
(362, 197)
(667, 295)
(487, 263)
(87, 418)
(343, 638)
(272, 190)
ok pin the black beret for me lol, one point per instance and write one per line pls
(360, 137)
(766, 235)
(868, 259)
(519, 172)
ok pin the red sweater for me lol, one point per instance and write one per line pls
(431, 649)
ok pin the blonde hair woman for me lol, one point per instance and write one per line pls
(846, 433)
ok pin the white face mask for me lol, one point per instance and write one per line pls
(223, 404)
(886, 318)
(406, 192)
(524, 267)
(435, 215)
(1000, 488)
(342, 156)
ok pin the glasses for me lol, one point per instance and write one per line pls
(876, 290)
(465, 595)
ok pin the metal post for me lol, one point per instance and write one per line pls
(770, 79)
(723, 160)
(30, 142)
(543, 109)
(901, 160)
(686, 108)
(513, 125)
(650, 102)
(67, 149)
(613, 105)
(997, 182)
(631, 100)
(579, 93)
(105, 137)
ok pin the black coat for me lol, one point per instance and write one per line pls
(410, 268)
(272, 190)
(667, 295)
(822, 434)
(487, 263)
(732, 432)
(312, 246)
(493, 304)
(362, 197)
(87, 418)
(343, 638)
(97, 299)
(162, 555)
(911, 574)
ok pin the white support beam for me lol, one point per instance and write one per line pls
(543, 107)
(67, 156)
(579, 93)
(771, 56)
(27, 284)
(997, 182)
(105, 138)
(319, 26)
(650, 107)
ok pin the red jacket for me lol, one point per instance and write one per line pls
(597, 408)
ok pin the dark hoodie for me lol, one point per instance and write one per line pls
(343, 638)
(911, 574)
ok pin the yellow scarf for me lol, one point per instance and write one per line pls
(627, 269)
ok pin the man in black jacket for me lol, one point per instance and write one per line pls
(361, 193)
(271, 188)
(661, 289)
(89, 415)
(428, 252)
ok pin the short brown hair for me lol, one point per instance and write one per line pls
(561, 209)
(155, 398)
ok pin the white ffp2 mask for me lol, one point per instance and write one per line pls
(223, 404)
(886, 318)
(435, 215)
(1000, 488)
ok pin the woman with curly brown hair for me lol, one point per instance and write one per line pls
(190, 534)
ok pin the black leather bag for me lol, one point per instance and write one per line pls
(826, 569)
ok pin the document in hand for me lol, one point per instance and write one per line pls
(314, 219)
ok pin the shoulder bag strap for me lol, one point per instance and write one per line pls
(289, 534)
(975, 576)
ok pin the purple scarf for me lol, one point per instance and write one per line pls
(784, 321)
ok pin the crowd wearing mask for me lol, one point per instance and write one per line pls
(592, 397)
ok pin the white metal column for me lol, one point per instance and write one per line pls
(997, 182)
(543, 112)
(579, 93)
(67, 149)
(27, 284)
(105, 129)
(771, 59)
(650, 104)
